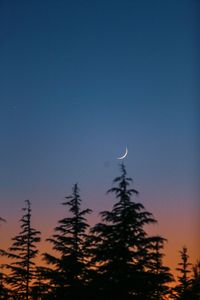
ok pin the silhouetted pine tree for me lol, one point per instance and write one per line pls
(159, 275)
(194, 290)
(22, 252)
(69, 268)
(182, 288)
(120, 246)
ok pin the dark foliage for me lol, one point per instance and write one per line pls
(159, 274)
(22, 253)
(114, 260)
(182, 289)
(67, 277)
(122, 251)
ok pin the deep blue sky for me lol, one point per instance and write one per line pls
(80, 81)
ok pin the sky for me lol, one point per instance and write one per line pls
(80, 82)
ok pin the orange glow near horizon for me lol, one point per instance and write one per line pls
(177, 235)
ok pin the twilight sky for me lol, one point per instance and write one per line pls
(80, 81)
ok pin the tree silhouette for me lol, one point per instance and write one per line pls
(195, 289)
(69, 269)
(120, 246)
(114, 260)
(159, 274)
(182, 288)
(22, 252)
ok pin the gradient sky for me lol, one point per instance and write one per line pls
(80, 81)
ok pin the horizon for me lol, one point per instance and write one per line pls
(171, 254)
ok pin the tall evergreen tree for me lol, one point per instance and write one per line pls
(120, 246)
(182, 288)
(159, 274)
(22, 252)
(195, 286)
(69, 268)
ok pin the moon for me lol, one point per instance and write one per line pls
(122, 157)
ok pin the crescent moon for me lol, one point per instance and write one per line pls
(122, 157)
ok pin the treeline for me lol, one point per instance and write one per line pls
(115, 259)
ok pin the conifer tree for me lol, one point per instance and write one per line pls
(69, 267)
(195, 286)
(22, 253)
(120, 246)
(159, 274)
(182, 288)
